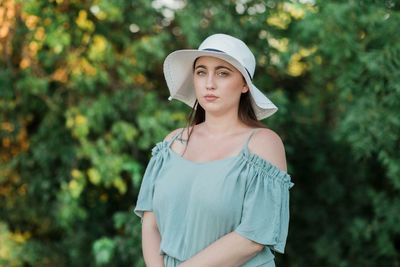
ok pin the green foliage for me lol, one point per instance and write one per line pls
(104, 250)
(83, 100)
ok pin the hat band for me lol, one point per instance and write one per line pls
(216, 50)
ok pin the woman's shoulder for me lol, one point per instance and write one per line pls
(171, 135)
(175, 132)
(267, 144)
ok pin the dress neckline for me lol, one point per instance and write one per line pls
(174, 153)
(244, 153)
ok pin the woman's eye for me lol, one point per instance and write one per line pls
(223, 74)
(200, 72)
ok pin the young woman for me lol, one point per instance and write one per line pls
(216, 193)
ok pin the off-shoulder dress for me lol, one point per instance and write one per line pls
(196, 203)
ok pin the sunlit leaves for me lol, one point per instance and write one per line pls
(98, 48)
(11, 249)
(108, 10)
(280, 20)
(77, 184)
(66, 64)
(83, 100)
(83, 22)
(78, 124)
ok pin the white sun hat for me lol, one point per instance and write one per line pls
(178, 70)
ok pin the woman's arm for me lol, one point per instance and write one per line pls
(231, 250)
(151, 241)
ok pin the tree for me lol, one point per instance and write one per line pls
(83, 100)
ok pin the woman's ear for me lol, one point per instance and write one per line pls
(245, 88)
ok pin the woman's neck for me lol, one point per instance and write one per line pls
(222, 126)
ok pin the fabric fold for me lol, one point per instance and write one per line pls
(265, 215)
(145, 197)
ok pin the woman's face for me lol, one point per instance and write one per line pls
(218, 85)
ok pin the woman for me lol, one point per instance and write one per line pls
(217, 192)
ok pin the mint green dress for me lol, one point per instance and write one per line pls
(197, 203)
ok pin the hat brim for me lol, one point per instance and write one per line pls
(178, 72)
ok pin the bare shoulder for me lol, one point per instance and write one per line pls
(169, 136)
(268, 145)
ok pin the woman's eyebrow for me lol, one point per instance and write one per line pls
(200, 66)
(217, 67)
(223, 67)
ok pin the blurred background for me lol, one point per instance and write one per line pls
(83, 100)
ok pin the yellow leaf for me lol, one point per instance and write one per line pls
(60, 75)
(80, 119)
(280, 20)
(83, 22)
(279, 44)
(99, 43)
(40, 34)
(9, 127)
(94, 176)
(296, 67)
(140, 79)
(294, 10)
(20, 237)
(31, 21)
(75, 173)
(120, 185)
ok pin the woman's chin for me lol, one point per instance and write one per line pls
(210, 107)
(216, 111)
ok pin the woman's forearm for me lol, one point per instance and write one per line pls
(151, 241)
(231, 250)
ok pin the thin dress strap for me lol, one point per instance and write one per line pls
(246, 145)
(175, 137)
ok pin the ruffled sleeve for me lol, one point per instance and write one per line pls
(265, 215)
(145, 197)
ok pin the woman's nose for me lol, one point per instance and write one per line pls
(210, 83)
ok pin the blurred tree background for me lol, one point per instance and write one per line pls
(83, 100)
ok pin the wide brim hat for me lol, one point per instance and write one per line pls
(178, 70)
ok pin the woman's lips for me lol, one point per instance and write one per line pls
(210, 97)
